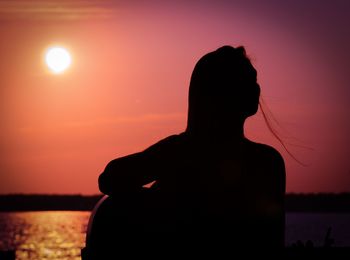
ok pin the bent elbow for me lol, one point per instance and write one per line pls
(103, 184)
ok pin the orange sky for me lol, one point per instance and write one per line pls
(128, 84)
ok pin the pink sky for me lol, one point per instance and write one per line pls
(127, 87)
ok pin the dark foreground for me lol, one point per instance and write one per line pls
(287, 253)
(247, 253)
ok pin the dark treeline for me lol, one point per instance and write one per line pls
(318, 202)
(321, 202)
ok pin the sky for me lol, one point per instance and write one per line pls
(128, 84)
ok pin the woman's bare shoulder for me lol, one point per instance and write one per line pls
(270, 161)
(265, 151)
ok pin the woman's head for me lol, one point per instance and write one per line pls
(223, 90)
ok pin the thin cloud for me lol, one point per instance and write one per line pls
(157, 119)
(55, 10)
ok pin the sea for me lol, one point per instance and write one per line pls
(61, 234)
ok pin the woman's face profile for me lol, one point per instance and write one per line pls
(235, 92)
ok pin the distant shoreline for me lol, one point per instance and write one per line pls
(320, 202)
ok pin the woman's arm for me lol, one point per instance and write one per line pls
(281, 190)
(127, 174)
(278, 196)
(273, 185)
(130, 173)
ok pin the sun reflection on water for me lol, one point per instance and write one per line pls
(44, 235)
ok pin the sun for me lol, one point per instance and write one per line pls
(58, 59)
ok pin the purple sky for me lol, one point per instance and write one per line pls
(128, 85)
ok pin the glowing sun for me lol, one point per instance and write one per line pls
(57, 59)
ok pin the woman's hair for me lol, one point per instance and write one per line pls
(223, 85)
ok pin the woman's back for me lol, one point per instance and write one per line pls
(205, 187)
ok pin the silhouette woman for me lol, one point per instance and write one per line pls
(212, 185)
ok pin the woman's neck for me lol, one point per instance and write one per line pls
(219, 137)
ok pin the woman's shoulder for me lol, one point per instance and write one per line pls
(265, 151)
(169, 142)
(267, 159)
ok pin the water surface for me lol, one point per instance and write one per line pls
(44, 235)
(61, 234)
